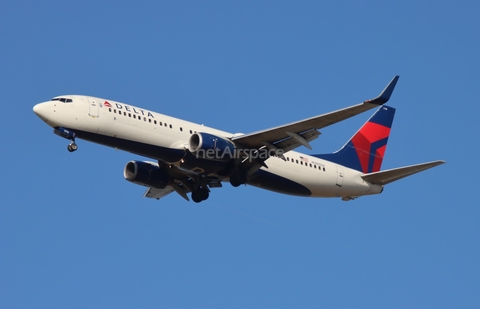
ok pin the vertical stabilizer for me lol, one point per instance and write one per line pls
(365, 150)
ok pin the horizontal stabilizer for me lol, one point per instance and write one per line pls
(388, 176)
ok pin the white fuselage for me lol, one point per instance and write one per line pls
(105, 122)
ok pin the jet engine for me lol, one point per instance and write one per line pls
(209, 146)
(146, 174)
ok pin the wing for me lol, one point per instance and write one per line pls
(184, 182)
(157, 193)
(388, 176)
(292, 135)
(178, 187)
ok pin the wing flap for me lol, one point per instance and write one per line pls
(291, 143)
(184, 182)
(388, 176)
(157, 193)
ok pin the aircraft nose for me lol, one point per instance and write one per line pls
(42, 110)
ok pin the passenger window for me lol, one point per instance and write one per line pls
(181, 129)
(170, 126)
(134, 117)
(155, 122)
(149, 120)
(297, 161)
(129, 115)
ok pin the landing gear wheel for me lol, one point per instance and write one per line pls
(203, 193)
(200, 195)
(238, 179)
(196, 197)
(72, 147)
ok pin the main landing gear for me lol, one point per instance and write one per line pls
(200, 194)
(238, 179)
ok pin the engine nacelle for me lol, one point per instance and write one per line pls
(209, 146)
(146, 174)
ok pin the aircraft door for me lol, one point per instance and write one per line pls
(93, 108)
(340, 175)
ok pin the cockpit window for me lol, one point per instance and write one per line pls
(64, 100)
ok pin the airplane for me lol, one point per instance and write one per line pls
(190, 158)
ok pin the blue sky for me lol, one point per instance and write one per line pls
(75, 234)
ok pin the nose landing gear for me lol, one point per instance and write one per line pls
(72, 146)
(68, 134)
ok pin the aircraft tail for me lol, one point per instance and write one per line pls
(364, 152)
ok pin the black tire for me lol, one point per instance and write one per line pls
(200, 195)
(69, 147)
(238, 179)
(203, 193)
(196, 197)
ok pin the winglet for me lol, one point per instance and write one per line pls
(386, 93)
